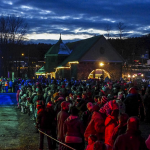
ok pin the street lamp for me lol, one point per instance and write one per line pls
(101, 64)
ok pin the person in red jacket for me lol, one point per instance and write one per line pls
(110, 123)
(120, 129)
(74, 130)
(91, 141)
(96, 125)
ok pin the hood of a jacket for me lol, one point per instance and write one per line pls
(72, 120)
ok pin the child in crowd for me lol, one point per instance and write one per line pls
(91, 140)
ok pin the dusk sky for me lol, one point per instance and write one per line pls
(79, 19)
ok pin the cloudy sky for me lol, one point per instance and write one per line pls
(79, 19)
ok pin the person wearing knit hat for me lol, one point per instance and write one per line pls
(49, 104)
(108, 107)
(103, 100)
(132, 139)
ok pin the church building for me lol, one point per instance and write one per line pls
(83, 59)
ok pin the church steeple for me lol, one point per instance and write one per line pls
(60, 38)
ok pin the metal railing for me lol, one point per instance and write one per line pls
(56, 140)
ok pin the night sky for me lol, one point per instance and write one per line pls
(79, 19)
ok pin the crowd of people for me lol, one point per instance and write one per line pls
(87, 115)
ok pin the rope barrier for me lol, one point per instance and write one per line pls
(56, 140)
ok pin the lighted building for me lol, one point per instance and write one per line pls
(88, 58)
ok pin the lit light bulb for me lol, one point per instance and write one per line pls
(101, 64)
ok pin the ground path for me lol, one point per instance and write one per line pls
(17, 131)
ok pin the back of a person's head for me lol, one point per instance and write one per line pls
(133, 123)
(123, 118)
(99, 145)
(132, 90)
(64, 105)
(74, 111)
(96, 108)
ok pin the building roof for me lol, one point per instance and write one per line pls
(82, 51)
(59, 48)
(41, 70)
(79, 49)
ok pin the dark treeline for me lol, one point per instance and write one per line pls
(132, 48)
(35, 50)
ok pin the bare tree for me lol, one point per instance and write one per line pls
(108, 30)
(12, 33)
(121, 27)
(12, 29)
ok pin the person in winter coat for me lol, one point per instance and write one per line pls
(44, 122)
(17, 97)
(120, 103)
(52, 113)
(48, 98)
(57, 106)
(102, 101)
(120, 129)
(108, 107)
(132, 103)
(110, 123)
(74, 130)
(38, 97)
(96, 125)
(86, 115)
(132, 139)
(146, 102)
(82, 104)
(91, 141)
(61, 117)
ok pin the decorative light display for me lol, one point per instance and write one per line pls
(73, 62)
(100, 70)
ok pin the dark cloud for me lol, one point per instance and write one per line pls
(68, 16)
